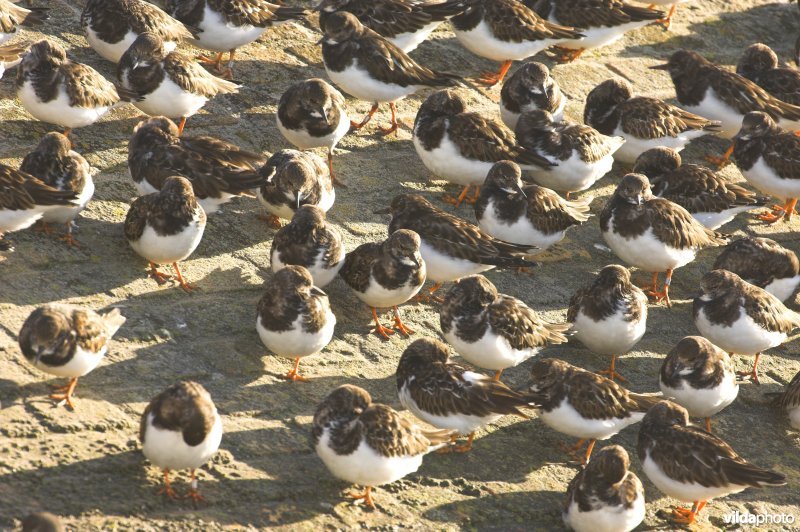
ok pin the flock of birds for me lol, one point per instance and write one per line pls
(660, 216)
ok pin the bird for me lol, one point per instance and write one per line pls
(386, 274)
(42, 522)
(57, 90)
(181, 429)
(370, 68)
(741, 318)
(492, 330)
(652, 234)
(667, 21)
(709, 90)
(759, 63)
(450, 396)
(165, 227)
(529, 88)
(11, 56)
(368, 443)
(292, 179)
(583, 404)
(692, 465)
(24, 199)
(13, 16)
(605, 496)
(788, 401)
(762, 262)
(167, 83)
(452, 248)
(602, 22)
(67, 341)
(579, 154)
(711, 199)
(308, 240)
(112, 26)
(226, 25)
(404, 23)
(528, 215)
(55, 163)
(462, 146)
(700, 377)
(766, 154)
(311, 114)
(609, 315)
(506, 31)
(217, 169)
(294, 317)
(644, 122)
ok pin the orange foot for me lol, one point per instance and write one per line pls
(187, 287)
(386, 131)
(366, 497)
(651, 286)
(44, 227)
(294, 375)
(160, 278)
(195, 497)
(66, 394)
(683, 516)
(659, 296)
(572, 451)
(427, 298)
(568, 55)
(491, 79)
(382, 331)
(612, 374)
(167, 490)
(70, 240)
(272, 221)
(779, 212)
(400, 326)
(463, 448)
(753, 375)
(215, 62)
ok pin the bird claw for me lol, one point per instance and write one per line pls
(402, 328)
(382, 331)
(753, 375)
(683, 516)
(294, 376)
(612, 374)
(386, 131)
(366, 497)
(659, 296)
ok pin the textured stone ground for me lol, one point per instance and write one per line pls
(87, 466)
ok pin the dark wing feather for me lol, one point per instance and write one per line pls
(357, 266)
(549, 213)
(782, 153)
(22, 191)
(488, 140)
(136, 219)
(512, 21)
(516, 322)
(698, 189)
(86, 87)
(673, 225)
(390, 434)
(258, 13)
(651, 118)
(790, 397)
(596, 397)
(193, 78)
(768, 311)
(745, 96)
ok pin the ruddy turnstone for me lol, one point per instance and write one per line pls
(452, 248)
(386, 274)
(769, 158)
(644, 122)
(11, 56)
(67, 341)
(42, 522)
(529, 88)
(741, 318)
(759, 63)
(764, 263)
(530, 215)
(492, 330)
(450, 396)
(461, 146)
(225, 25)
(583, 404)
(294, 317)
(294, 178)
(218, 170)
(54, 162)
(368, 443)
(602, 22)
(605, 496)
(12, 16)
(506, 30)
(700, 377)
(167, 83)
(166, 226)
(788, 401)
(652, 234)
(309, 241)
(609, 316)
(180, 429)
(689, 464)
(24, 199)
(111, 26)
(370, 68)
(311, 114)
(709, 90)
(404, 23)
(56, 90)
(712, 199)
(580, 154)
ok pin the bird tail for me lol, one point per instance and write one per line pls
(286, 13)
(644, 401)
(746, 474)
(440, 11)
(244, 180)
(579, 209)
(438, 438)
(33, 15)
(638, 14)
(563, 32)
(113, 321)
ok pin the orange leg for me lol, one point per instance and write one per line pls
(573, 451)
(215, 61)
(393, 126)
(160, 278)
(663, 295)
(43, 227)
(589, 449)
(721, 161)
(667, 22)
(466, 446)
(366, 497)
(380, 329)
(475, 195)
(399, 325)
(457, 200)
(336, 180)
(273, 222)
(167, 489)
(653, 284)
(708, 424)
(181, 125)
(425, 298)
(568, 55)
(68, 238)
(193, 494)
(355, 126)
(293, 375)
(497, 375)
(493, 78)
(753, 374)
(611, 372)
(66, 396)
(686, 516)
(228, 72)
(186, 286)
(780, 212)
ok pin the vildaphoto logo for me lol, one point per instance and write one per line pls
(746, 518)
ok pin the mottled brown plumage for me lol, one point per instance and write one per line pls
(111, 20)
(605, 482)
(609, 293)
(586, 14)
(168, 212)
(308, 240)
(20, 191)
(290, 294)
(511, 21)
(560, 140)
(184, 407)
(54, 162)
(695, 362)
(759, 64)
(759, 261)
(12, 16)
